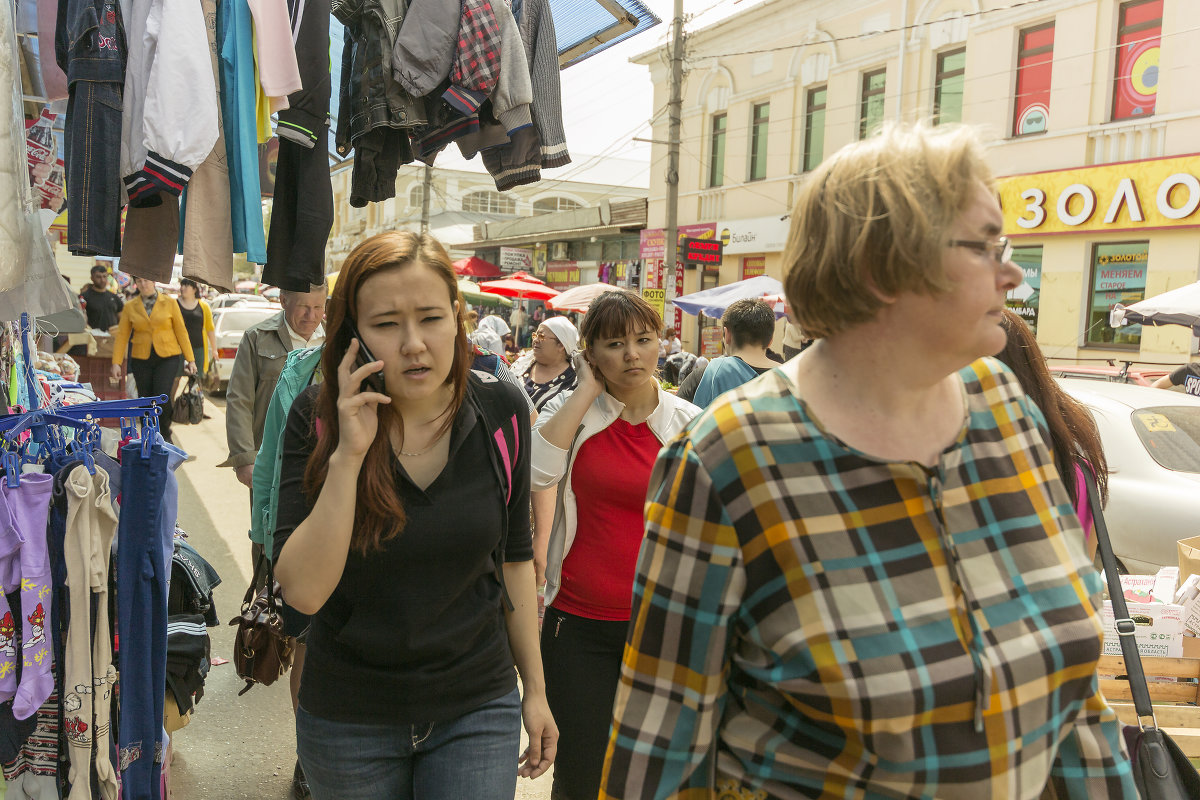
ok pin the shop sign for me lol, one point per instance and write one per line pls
(656, 298)
(710, 341)
(753, 266)
(516, 258)
(653, 244)
(1137, 195)
(539, 261)
(699, 252)
(757, 235)
(562, 274)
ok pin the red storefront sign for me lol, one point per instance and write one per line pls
(753, 266)
(562, 274)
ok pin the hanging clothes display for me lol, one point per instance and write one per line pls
(85, 715)
(302, 213)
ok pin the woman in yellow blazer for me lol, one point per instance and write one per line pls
(159, 343)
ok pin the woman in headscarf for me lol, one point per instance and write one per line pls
(546, 370)
(490, 334)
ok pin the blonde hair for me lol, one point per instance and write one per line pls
(873, 219)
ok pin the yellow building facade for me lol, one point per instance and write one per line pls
(1091, 111)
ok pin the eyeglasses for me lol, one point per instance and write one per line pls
(1001, 249)
(539, 336)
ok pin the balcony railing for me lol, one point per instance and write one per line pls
(711, 204)
(1127, 142)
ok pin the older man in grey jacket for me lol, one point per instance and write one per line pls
(260, 358)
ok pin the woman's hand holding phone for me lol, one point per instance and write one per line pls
(358, 417)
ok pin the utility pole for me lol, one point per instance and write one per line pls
(674, 115)
(425, 199)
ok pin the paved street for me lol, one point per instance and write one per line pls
(235, 747)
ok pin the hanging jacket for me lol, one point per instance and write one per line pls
(166, 133)
(424, 48)
(235, 45)
(275, 51)
(370, 96)
(307, 113)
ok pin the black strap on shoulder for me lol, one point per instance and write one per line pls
(1126, 629)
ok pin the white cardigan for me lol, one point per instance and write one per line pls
(553, 465)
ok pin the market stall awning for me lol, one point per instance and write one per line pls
(522, 290)
(1177, 307)
(477, 267)
(579, 298)
(470, 292)
(713, 302)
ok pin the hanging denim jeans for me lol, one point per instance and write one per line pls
(142, 619)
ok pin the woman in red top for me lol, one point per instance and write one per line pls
(599, 444)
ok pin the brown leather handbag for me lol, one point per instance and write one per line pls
(261, 650)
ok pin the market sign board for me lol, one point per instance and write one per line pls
(1131, 196)
(656, 298)
(653, 244)
(562, 274)
(516, 258)
(756, 235)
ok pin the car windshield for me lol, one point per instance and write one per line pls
(239, 320)
(1171, 434)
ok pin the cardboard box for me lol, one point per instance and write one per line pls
(1189, 557)
(1159, 629)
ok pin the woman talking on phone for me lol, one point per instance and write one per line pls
(403, 528)
(616, 415)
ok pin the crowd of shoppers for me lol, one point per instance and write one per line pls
(860, 572)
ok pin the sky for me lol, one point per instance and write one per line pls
(607, 100)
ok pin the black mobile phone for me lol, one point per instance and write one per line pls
(374, 381)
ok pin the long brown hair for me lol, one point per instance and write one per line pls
(1073, 432)
(378, 512)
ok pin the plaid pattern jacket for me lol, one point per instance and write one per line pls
(812, 622)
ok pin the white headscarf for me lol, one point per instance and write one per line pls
(566, 333)
(490, 334)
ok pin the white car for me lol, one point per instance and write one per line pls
(236, 300)
(230, 323)
(1152, 442)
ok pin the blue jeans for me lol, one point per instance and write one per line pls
(473, 756)
(142, 576)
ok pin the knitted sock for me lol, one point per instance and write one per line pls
(104, 674)
(77, 682)
(8, 651)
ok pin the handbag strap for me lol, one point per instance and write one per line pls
(1126, 629)
(272, 600)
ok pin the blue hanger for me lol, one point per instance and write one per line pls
(39, 423)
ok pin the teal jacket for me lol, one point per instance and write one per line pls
(297, 374)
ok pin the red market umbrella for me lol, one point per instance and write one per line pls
(522, 275)
(521, 289)
(578, 298)
(476, 266)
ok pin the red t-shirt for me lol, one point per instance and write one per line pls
(610, 478)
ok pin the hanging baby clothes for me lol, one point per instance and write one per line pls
(26, 563)
(302, 214)
(278, 72)
(89, 674)
(207, 222)
(89, 45)
(235, 44)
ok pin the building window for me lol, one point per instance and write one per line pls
(549, 205)
(1024, 299)
(870, 114)
(759, 117)
(1135, 88)
(1118, 276)
(1035, 60)
(948, 86)
(814, 128)
(416, 196)
(487, 202)
(716, 152)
